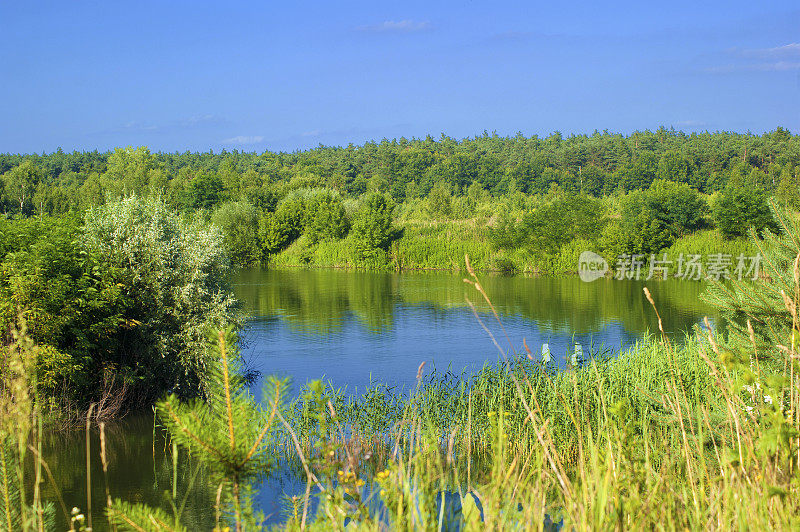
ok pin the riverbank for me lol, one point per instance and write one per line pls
(441, 246)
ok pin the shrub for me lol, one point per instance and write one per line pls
(372, 228)
(238, 221)
(173, 273)
(740, 207)
(279, 229)
(325, 218)
(653, 219)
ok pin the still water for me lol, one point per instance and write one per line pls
(352, 328)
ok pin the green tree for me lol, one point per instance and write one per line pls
(205, 191)
(742, 205)
(239, 223)
(439, 203)
(789, 188)
(175, 272)
(229, 433)
(593, 180)
(325, 218)
(654, 218)
(560, 219)
(372, 231)
(673, 166)
(130, 169)
(20, 185)
(279, 229)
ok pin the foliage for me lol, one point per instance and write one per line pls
(279, 229)
(557, 221)
(742, 206)
(325, 218)
(711, 242)
(74, 307)
(228, 432)
(653, 219)
(372, 231)
(174, 273)
(238, 221)
(764, 312)
(20, 433)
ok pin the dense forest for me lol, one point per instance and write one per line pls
(598, 164)
(637, 194)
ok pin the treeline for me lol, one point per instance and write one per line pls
(598, 164)
(530, 202)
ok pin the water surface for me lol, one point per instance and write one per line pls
(350, 327)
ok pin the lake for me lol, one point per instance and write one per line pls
(351, 328)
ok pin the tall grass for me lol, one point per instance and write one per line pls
(690, 437)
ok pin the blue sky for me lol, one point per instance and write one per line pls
(200, 75)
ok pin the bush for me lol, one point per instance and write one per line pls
(173, 274)
(325, 218)
(741, 207)
(238, 221)
(653, 219)
(279, 229)
(559, 220)
(372, 228)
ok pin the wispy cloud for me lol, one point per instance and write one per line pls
(691, 124)
(782, 58)
(241, 140)
(400, 26)
(787, 50)
(192, 122)
(313, 133)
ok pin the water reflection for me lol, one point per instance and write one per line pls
(354, 327)
(140, 471)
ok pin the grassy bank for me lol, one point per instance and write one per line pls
(442, 245)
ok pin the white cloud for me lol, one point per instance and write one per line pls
(192, 122)
(244, 139)
(400, 26)
(314, 133)
(787, 50)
